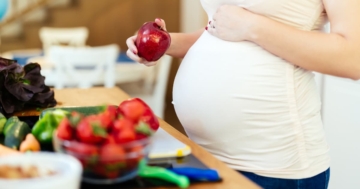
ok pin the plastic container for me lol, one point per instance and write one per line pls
(98, 169)
(67, 171)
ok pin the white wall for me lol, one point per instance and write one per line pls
(193, 16)
(341, 116)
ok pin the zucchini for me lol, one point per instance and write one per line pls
(2, 122)
(9, 123)
(16, 134)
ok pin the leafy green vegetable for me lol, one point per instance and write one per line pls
(22, 87)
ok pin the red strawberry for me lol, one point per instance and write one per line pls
(64, 130)
(122, 124)
(87, 154)
(75, 118)
(126, 135)
(110, 139)
(108, 116)
(134, 106)
(112, 159)
(132, 109)
(90, 131)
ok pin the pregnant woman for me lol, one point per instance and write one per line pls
(245, 90)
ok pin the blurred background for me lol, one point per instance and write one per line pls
(99, 28)
(30, 27)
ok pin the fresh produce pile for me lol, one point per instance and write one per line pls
(17, 136)
(22, 87)
(111, 143)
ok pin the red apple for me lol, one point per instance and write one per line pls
(152, 41)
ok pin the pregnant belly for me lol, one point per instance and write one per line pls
(237, 100)
(224, 85)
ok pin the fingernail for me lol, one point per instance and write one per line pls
(159, 19)
(206, 28)
(210, 22)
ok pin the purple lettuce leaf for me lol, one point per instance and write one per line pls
(22, 87)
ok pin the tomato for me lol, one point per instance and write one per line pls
(64, 130)
(135, 106)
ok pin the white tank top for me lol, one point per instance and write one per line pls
(251, 109)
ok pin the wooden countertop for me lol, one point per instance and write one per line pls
(100, 96)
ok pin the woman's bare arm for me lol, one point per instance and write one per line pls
(181, 42)
(336, 53)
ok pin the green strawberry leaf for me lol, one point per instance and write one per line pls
(98, 130)
(143, 128)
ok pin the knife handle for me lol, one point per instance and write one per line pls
(197, 173)
(164, 174)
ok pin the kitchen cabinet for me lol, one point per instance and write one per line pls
(341, 117)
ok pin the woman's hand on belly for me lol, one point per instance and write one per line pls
(231, 23)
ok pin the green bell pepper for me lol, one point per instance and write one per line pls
(44, 128)
(2, 122)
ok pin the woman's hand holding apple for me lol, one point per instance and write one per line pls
(141, 46)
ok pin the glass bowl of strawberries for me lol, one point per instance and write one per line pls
(110, 143)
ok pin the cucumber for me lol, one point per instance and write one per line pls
(9, 123)
(2, 122)
(16, 134)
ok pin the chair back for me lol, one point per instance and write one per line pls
(76, 36)
(84, 67)
(159, 85)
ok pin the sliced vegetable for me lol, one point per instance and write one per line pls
(16, 135)
(2, 122)
(30, 144)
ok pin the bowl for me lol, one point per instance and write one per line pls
(121, 165)
(65, 171)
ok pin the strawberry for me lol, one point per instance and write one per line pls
(121, 124)
(126, 135)
(75, 118)
(87, 154)
(112, 159)
(64, 130)
(90, 131)
(108, 116)
(134, 107)
(110, 139)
